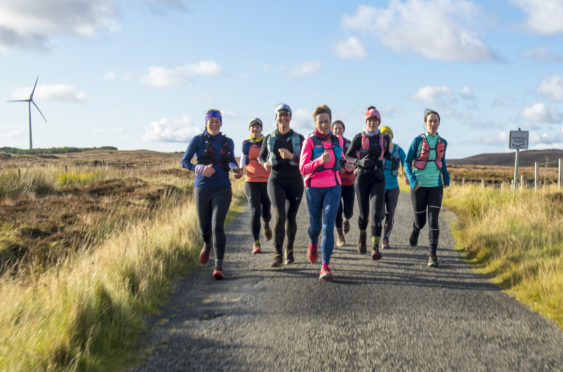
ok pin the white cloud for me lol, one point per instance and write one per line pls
(505, 101)
(32, 24)
(302, 69)
(542, 54)
(110, 75)
(501, 138)
(552, 87)
(164, 77)
(543, 17)
(9, 132)
(540, 113)
(436, 29)
(542, 141)
(166, 130)
(302, 122)
(54, 92)
(467, 93)
(350, 48)
(435, 95)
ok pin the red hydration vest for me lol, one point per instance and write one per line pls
(364, 151)
(421, 160)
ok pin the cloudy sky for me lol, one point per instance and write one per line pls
(141, 74)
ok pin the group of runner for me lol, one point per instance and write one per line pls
(331, 170)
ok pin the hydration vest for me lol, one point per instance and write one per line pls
(364, 150)
(319, 149)
(207, 156)
(295, 143)
(422, 159)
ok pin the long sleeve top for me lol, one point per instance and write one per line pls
(391, 181)
(309, 166)
(255, 172)
(197, 147)
(283, 168)
(431, 175)
(369, 164)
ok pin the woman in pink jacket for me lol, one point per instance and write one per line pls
(320, 161)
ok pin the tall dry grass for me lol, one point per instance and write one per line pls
(516, 239)
(87, 312)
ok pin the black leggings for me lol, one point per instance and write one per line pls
(370, 194)
(257, 195)
(212, 206)
(346, 205)
(282, 192)
(423, 199)
(391, 199)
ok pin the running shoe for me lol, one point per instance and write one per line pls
(346, 225)
(433, 261)
(256, 248)
(375, 255)
(204, 254)
(218, 273)
(386, 244)
(289, 257)
(267, 232)
(312, 252)
(325, 273)
(340, 240)
(413, 240)
(277, 260)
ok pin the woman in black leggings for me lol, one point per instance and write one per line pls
(367, 150)
(212, 188)
(256, 184)
(427, 179)
(280, 154)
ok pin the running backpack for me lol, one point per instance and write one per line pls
(207, 156)
(295, 143)
(422, 159)
(318, 150)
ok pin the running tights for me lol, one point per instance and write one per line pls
(428, 199)
(212, 206)
(257, 195)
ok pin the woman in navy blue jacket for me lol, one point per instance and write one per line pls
(212, 188)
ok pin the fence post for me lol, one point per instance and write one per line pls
(536, 176)
(521, 181)
(559, 176)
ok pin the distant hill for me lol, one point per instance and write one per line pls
(527, 158)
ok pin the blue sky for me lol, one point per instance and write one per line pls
(141, 74)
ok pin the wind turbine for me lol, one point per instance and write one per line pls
(29, 102)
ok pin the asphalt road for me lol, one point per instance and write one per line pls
(395, 314)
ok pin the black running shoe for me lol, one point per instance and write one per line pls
(277, 260)
(413, 240)
(289, 257)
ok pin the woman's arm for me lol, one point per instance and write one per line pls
(193, 147)
(445, 173)
(407, 164)
(306, 166)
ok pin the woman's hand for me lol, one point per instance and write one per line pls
(286, 154)
(349, 167)
(325, 158)
(268, 165)
(208, 171)
(239, 173)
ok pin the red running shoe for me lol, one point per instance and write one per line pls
(277, 260)
(204, 254)
(256, 248)
(375, 255)
(312, 252)
(267, 232)
(325, 273)
(218, 273)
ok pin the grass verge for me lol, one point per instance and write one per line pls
(515, 239)
(88, 313)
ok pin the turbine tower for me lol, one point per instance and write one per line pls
(29, 102)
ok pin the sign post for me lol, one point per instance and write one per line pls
(518, 140)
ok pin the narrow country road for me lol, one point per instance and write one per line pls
(395, 314)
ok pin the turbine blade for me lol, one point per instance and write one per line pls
(18, 100)
(33, 91)
(37, 107)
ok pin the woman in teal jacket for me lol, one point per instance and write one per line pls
(428, 178)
